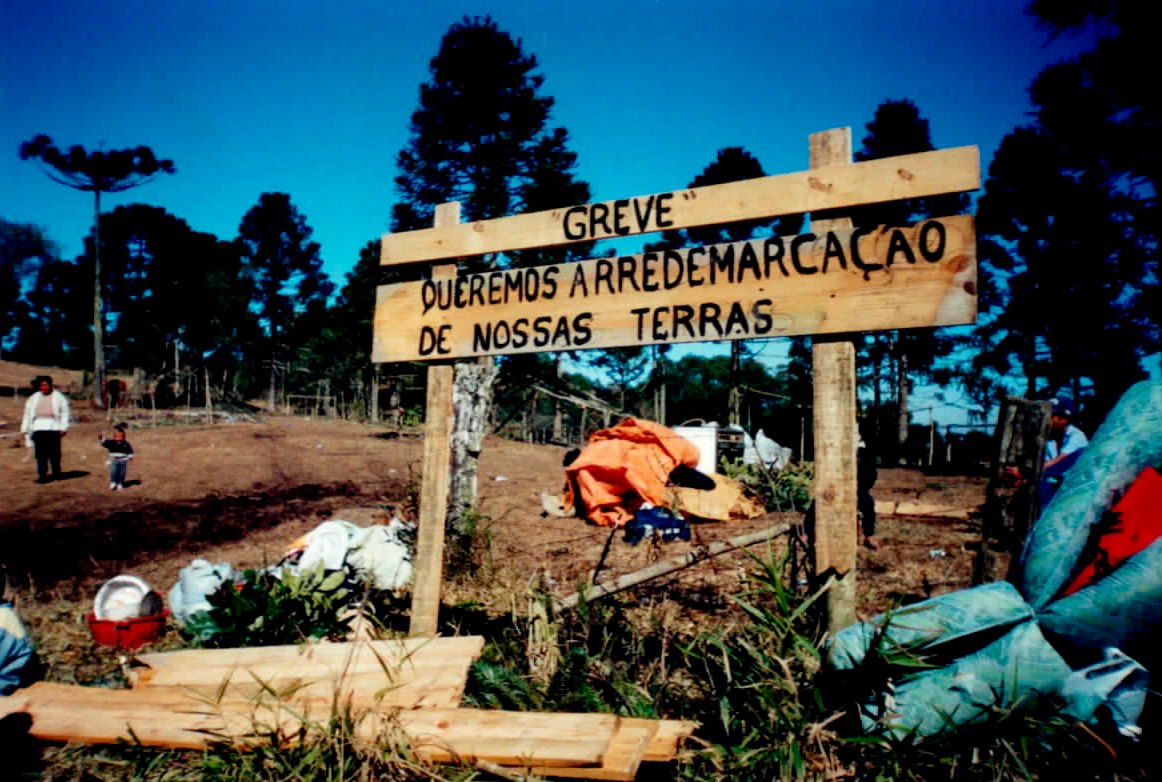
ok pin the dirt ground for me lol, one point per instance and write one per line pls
(240, 492)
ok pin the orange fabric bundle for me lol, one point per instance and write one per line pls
(625, 465)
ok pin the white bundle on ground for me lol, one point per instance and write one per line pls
(763, 450)
(379, 555)
(196, 582)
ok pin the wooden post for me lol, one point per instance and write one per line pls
(209, 404)
(375, 394)
(835, 441)
(1022, 429)
(931, 436)
(429, 564)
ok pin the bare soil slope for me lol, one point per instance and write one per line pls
(241, 492)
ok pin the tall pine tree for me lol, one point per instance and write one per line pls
(96, 172)
(730, 164)
(902, 356)
(482, 136)
(1070, 218)
(24, 248)
(1066, 316)
(286, 270)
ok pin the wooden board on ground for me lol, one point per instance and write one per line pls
(313, 659)
(416, 673)
(919, 508)
(596, 746)
(833, 280)
(623, 755)
(828, 187)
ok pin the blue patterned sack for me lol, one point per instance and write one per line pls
(1128, 441)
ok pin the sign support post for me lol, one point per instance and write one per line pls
(429, 566)
(833, 369)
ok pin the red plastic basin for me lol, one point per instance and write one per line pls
(127, 633)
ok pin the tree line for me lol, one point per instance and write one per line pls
(1067, 220)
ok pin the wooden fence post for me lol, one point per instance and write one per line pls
(429, 565)
(375, 394)
(1019, 441)
(833, 366)
(209, 404)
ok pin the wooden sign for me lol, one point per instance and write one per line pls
(843, 280)
(887, 179)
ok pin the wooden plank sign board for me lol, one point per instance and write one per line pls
(830, 187)
(836, 281)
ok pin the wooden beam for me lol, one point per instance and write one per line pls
(831, 280)
(435, 471)
(836, 537)
(827, 186)
(621, 758)
(679, 562)
(409, 674)
(597, 746)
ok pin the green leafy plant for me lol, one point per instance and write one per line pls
(413, 416)
(787, 490)
(270, 609)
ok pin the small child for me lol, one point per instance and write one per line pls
(120, 452)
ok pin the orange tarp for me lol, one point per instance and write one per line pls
(625, 465)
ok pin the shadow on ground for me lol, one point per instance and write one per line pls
(102, 545)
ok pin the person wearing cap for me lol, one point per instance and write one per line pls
(1065, 439)
(1062, 449)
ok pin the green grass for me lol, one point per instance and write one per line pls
(756, 683)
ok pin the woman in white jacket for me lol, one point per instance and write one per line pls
(46, 420)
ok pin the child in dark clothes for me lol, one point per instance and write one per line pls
(120, 452)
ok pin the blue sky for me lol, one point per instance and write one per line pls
(314, 99)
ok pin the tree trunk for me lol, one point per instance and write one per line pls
(732, 415)
(902, 403)
(374, 406)
(273, 393)
(138, 386)
(98, 310)
(209, 404)
(471, 401)
(1019, 441)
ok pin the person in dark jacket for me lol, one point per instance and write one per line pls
(866, 474)
(120, 452)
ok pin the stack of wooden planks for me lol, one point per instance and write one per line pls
(407, 674)
(189, 699)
